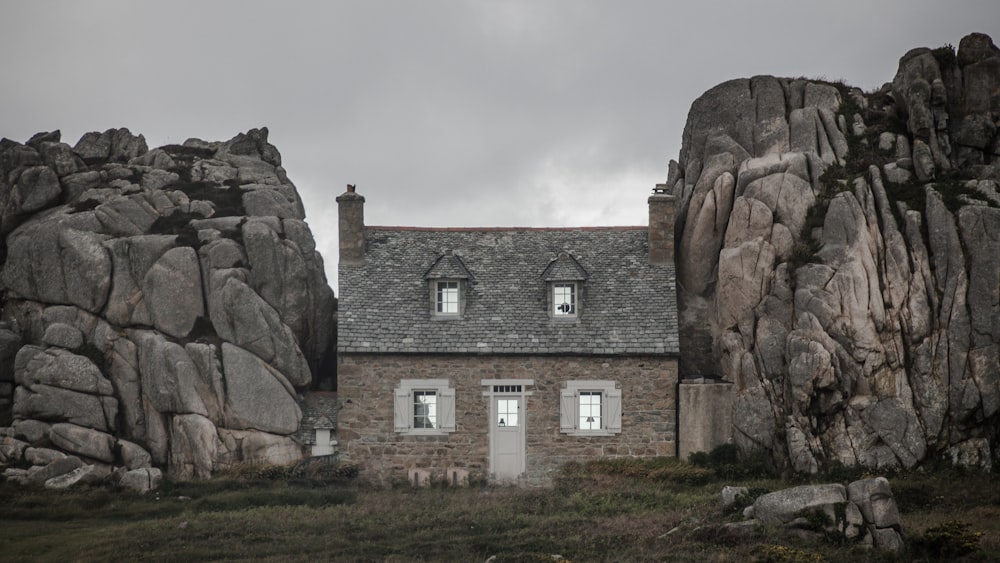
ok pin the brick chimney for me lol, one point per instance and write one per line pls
(351, 209)
(661, 226)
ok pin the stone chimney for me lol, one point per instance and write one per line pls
(661, 226)
(351, 209)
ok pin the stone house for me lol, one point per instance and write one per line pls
(503, 353)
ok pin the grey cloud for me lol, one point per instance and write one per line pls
(443, 113)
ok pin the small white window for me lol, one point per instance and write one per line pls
(447, 298)
(424, 406)
(590, 408)
(507, 411)
(425, 409)
(564, 299)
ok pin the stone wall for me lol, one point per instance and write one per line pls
(365, 425)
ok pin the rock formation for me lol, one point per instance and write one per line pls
(864, 512)
(839, 261)
(162, 308)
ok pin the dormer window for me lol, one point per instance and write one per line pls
(564, 299)
(564, 278)
(448, 282)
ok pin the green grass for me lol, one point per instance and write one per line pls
(617, 510)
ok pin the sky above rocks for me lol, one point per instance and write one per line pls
(444, 113)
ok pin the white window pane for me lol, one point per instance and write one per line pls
(447, 297)
(425, 409)
(590, 410)
(564, 299)
(507, 412)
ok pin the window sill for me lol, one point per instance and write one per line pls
(424, 432)
(589, 433)
(440, 317)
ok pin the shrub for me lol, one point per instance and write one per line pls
(816, 519)
(911, 497)
(744, 500)
(837, 472)
(682, 473)
(945, 57)
(726, 454)
(804, 252)
(726, 462)
(949, 540)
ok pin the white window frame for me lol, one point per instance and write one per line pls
(574, 292)
(611, 407)
(460, 303)
(403, 412)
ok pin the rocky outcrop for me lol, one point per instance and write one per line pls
(837, 260)
(864, 512)
(162, 308)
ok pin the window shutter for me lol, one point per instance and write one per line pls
(567, 410)
(446, 406)
(614, 414)
(401, 411)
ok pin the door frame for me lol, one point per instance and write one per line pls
(491, 393)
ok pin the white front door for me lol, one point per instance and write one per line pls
(507, 437)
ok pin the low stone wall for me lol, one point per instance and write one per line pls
(365, 423)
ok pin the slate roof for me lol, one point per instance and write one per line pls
(448, 266)
(626, 306)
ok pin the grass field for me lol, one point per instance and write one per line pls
(631, 510)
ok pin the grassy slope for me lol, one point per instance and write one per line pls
(633, 511)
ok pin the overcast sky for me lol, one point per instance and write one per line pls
(444, 113)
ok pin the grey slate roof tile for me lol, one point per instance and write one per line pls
(626, 306)
(448, 266)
